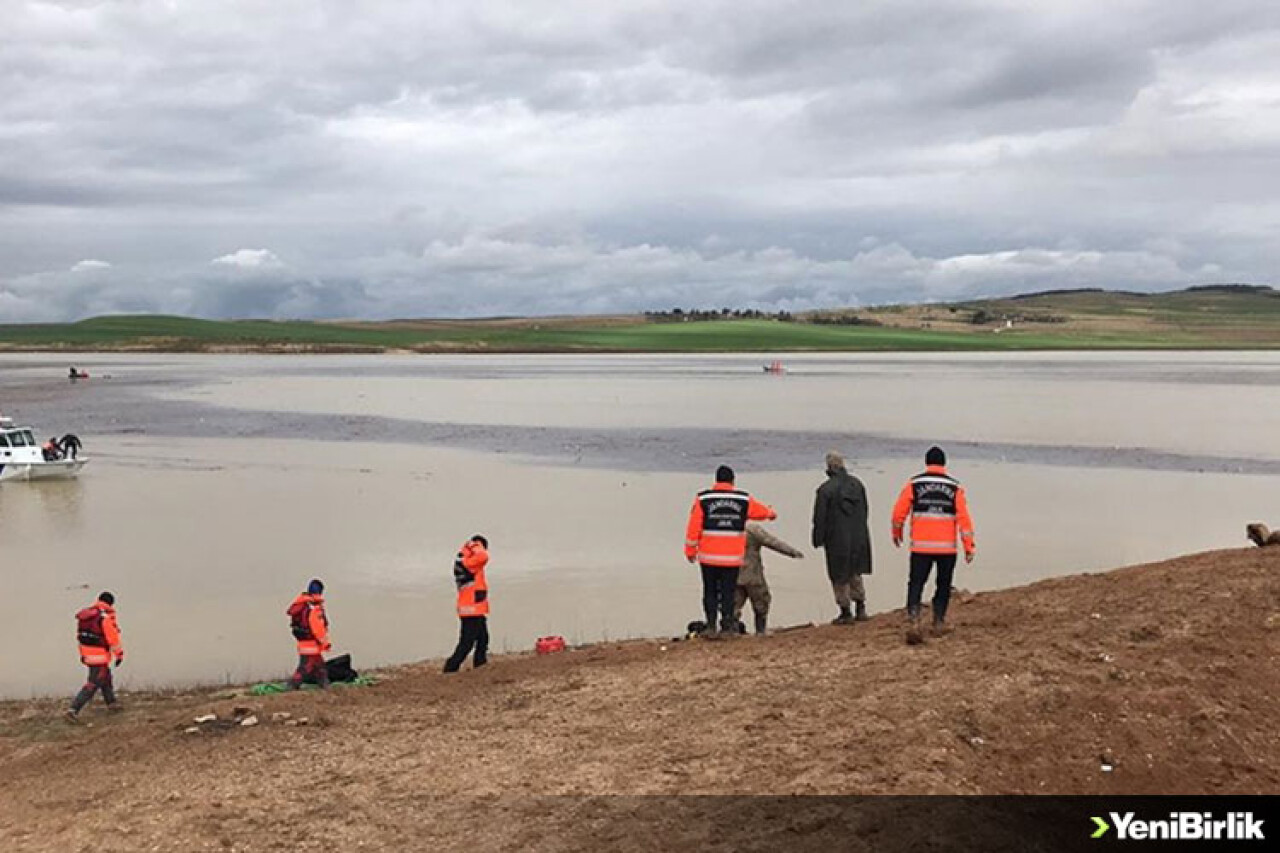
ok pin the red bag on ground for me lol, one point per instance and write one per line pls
(548, 645)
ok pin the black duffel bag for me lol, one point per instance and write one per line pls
(339, 669)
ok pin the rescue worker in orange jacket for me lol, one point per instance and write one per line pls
(939, 512)
(98, 634)
(310, 626)
(716, 538)
(473, 603)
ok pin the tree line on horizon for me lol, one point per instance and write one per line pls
(689, 315)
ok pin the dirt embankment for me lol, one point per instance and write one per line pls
(1165, 673)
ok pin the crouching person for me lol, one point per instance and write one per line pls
(98, 634)
(310, 627)
(473, 604)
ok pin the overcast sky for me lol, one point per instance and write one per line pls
(302, 158)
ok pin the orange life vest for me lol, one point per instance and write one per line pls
(939, 513)
(315, 620)
(717, 529)
(468, 574)
(98, 650)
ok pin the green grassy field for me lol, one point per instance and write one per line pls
(1081, 320)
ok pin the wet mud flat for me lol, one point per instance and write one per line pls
(134, 398)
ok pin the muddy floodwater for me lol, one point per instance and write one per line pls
(218, 485)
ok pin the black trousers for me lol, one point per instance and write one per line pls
(474, 634)
(921, 565)
(719, 585)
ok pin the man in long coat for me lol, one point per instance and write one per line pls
(840, 528)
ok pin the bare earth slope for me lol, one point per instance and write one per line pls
(1167, 672)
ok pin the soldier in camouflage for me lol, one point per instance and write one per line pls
(752, 585)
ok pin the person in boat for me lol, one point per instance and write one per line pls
(98, 634)
(74, 375)
(752, 585)
(473, 604)
(310, 626)
(70, 444)
(51, 450)
(716, 539)
(840, 528)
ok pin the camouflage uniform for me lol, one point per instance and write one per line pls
(751, 581)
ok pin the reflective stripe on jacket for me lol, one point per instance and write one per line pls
(114, 648)
(939, 513)
(468, 574)
(717, 529)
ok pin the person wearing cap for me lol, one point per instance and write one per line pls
(98, 634)
(469, 565)
(716, 539)
(939, 512)
(840, 514)
(310, 625)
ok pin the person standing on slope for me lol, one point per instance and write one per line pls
(98, 634)
(473, 604)
(716, 539)
(939, 512)
(752, 584)
(310, 625)
(840, 514)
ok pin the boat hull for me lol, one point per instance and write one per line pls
(59, 469)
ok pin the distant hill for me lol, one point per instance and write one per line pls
(1214, 316)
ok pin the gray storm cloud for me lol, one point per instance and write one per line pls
(385, 159)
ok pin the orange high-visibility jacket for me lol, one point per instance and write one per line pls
(939, 513)
(717, 529)
(102, 655)
(468, 574)
(317, 622)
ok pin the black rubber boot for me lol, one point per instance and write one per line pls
(861, 615)
(845, 617)
(762, 625)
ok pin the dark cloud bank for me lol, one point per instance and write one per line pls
(303, 158)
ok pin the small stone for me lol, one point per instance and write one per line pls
(207, 718)
(250, 720)
(193, 730)
(291, 722)
(304, 721)
(278, 716)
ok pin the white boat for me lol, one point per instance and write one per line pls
(22, 456)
